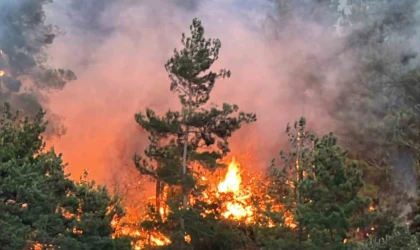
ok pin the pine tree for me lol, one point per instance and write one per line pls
(320, 186)
(198, 134)
(39, 204)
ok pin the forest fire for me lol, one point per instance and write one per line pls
(238, 208)
(154, 131)
(246, 199)
(239, 200)
(129, 226)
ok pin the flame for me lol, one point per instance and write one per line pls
(232, 180)
(159, 240)
(241, 198)
(162, 213)
(2, 73)
(237, 210)
(187, 238)
(39, 246)
(127, 226)
(240, 207)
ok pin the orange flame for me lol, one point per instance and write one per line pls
(238, 196)
(159, 240)
(239, 208)
(232, 180)
(141, 238)
(187, 238)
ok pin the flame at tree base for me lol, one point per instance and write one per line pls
(239, 207)
(141, 238)
(241, 202)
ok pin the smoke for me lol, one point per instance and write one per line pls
(288, 59)
(26, 78)
(118, 50)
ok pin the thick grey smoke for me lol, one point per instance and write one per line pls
(25, 75)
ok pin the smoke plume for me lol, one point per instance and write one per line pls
(288, 59)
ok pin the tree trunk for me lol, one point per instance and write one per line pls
(158, 189)
(299, 180)
(184, 164)
(184, 173)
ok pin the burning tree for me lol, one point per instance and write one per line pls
(321, 187)
(182, 142)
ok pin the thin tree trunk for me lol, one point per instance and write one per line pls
(149, 239)
(300, 178)
(184, 173)
(158, 189)
(184, 164)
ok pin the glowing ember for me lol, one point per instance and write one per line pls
(162, 212)
(77, 231)
(39, 246)
(187, 238)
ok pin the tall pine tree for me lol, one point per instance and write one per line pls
(197, 134)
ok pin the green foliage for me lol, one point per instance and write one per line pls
(38, 202)
(205, 127)
(186, 67)
(195, 135)
(401, 238)
(320, 186)
(209, 232)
